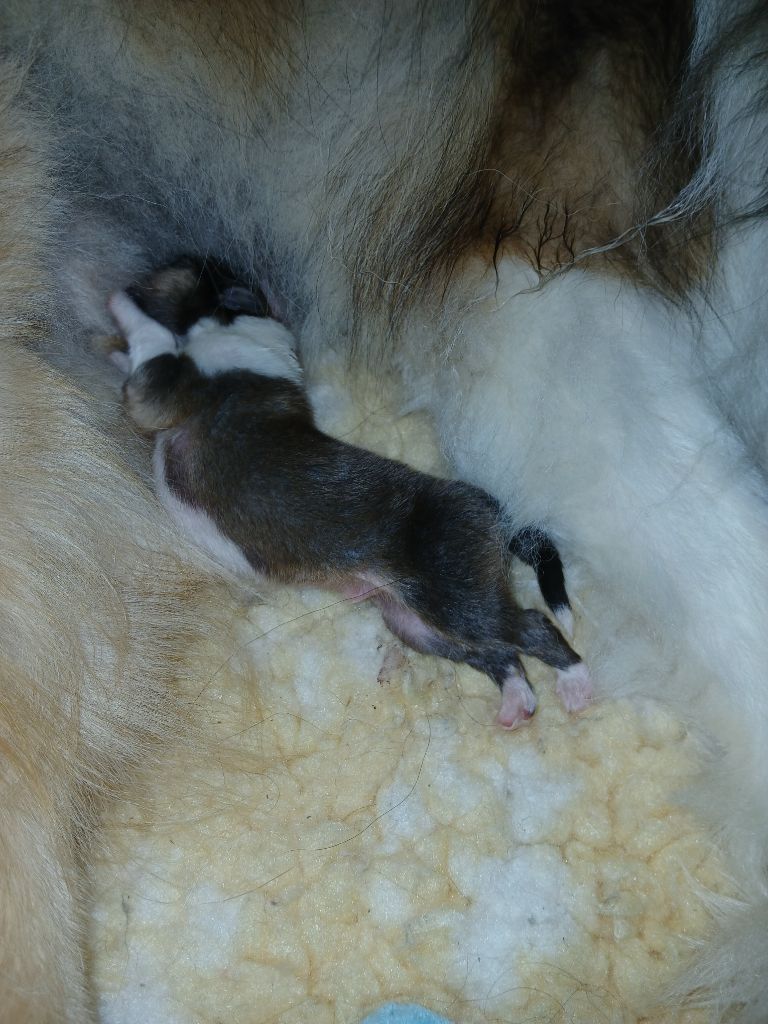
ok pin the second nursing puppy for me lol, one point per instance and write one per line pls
(241, 466)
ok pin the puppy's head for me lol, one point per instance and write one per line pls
(180, 293)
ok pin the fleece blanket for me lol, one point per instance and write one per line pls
(371, 836)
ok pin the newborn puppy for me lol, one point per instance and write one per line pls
(242, 468)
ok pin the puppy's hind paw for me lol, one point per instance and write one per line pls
(517, 701)
(574, 687)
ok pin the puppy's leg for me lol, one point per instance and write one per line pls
(532, 633)
(501, 662)
(476, 620)
(521, 632)
(518, 702)
(163, 385)
(146, 338)
(534, 547)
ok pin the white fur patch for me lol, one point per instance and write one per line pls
(198, 526)
(258, 344)
(564, 616)
(146, 337)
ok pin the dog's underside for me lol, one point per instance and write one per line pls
(548, 218)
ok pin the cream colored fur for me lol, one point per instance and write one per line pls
(96, 611)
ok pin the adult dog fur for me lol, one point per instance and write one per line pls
(552, 217)
(96, 608)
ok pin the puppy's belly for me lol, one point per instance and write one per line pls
(194, 522)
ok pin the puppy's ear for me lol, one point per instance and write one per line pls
(238, 299)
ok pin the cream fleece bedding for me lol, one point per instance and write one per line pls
(373, 835)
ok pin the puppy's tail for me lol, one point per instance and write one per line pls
(536, 549)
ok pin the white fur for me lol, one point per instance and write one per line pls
(583, 406)
(258, 344)
(564, 616)
(732, 139)
(146, 338)
(580, 405)
(732, 346)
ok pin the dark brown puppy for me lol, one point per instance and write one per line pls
(242, 467)
(188, 289)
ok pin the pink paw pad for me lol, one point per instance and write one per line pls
(574, 687)
(517, 702)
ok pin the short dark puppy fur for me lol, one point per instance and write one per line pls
(241, 465)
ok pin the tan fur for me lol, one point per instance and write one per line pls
(573, 137)
(197, 28)
(95, 612)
